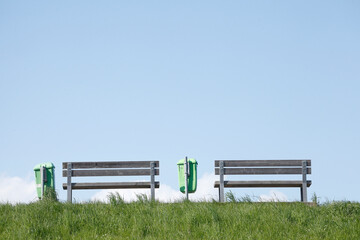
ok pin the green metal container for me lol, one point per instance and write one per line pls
(49, 177)
(192, 179)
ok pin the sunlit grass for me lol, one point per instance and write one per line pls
(144, 219)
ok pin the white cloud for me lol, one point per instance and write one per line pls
(205, 192)
(17, 189)
(23, 190)
(273, 196)
(164, 194)
(205, 189)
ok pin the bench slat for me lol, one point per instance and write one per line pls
(115, 172)
(111, 164)
(262, 163)
(111, 185)
(244, 184)
(259, 171)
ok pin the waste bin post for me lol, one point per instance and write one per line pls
(186, 170)
(42, 181)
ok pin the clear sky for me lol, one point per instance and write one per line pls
(143, 80)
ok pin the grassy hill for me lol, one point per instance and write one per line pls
(185, 220)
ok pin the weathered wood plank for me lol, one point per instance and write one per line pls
(244, 184)
(111, 172)
(112, 185)
(262, 163)
(111, 164)
(260, 171)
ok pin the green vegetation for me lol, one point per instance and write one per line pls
(143, 219)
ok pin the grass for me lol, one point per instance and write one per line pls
(143, 219)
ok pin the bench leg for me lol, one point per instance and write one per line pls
(304, 182)
(152, 182)
(301, 194)
(304, 194)
(69, 185)
(221, 187)
(219, 194)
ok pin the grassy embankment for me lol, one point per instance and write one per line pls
(184, 220)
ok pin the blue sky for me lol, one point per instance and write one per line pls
(90, 80)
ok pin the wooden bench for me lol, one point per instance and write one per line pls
(113, 168)
(260, 167)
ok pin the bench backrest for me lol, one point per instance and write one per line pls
(263, 167)
(260, 167)
(113, 168)
(118, 168)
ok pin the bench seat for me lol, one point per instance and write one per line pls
(111, 185)
(244, 184)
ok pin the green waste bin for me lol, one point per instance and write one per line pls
(49, 177)
(192, 179)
